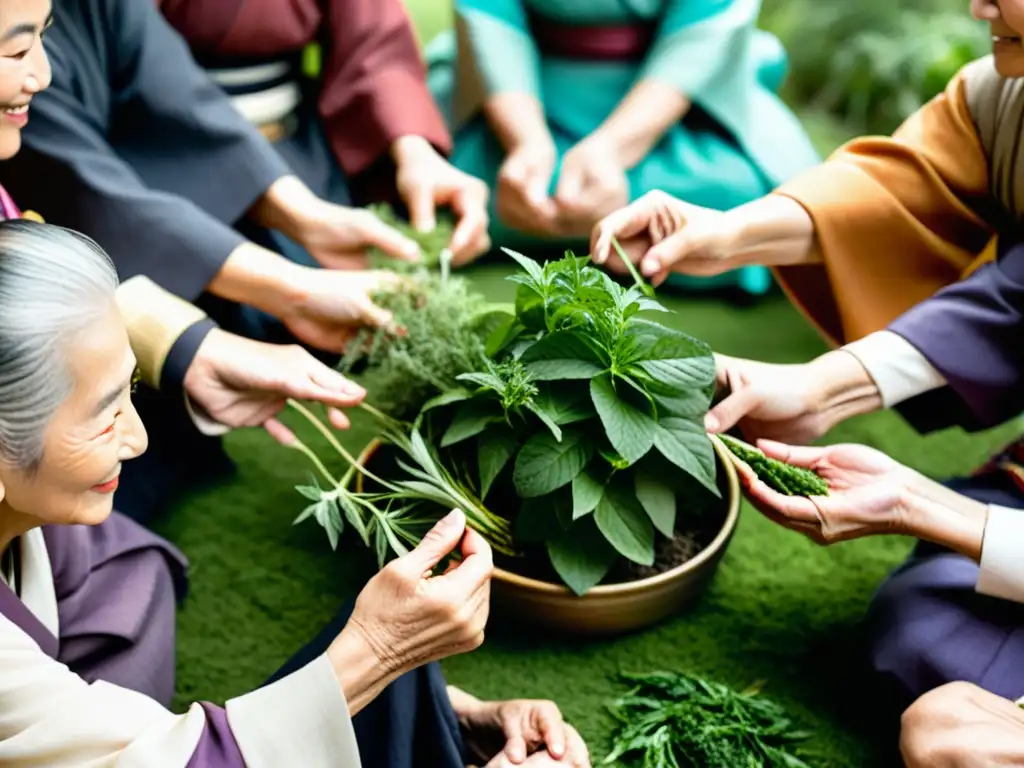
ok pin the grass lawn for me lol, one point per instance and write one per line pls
(780, 610)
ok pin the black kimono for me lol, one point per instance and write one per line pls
(133, 145)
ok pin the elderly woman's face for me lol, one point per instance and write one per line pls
(1006, 19)
(92, 432)
(24, 68)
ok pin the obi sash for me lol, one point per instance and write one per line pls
(591, 42)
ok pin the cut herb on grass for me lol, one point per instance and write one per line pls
(675, 720)
(778, 475)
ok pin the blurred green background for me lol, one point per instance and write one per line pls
(780, 610)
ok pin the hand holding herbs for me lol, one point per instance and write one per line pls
(675, 720)
(778, 475)
(868, 494)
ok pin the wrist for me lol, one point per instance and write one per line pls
(407, 148)
(260, 278)
(517, 119)
(772, 231)
(288, 206)
(934, 513)
(467, 707)
(840, 388)
(360, 672)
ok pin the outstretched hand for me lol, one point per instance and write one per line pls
(867, 492)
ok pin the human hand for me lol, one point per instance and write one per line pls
(591, 185)
(518, 732)
(791, 403)
(425, 180)
(328, 306)
(960, 725)
(867, 492)
(662, 234)
(239, 382)
(339, 237)
(522, 199)
(410, 617)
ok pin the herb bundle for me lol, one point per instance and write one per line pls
(591, 415)
(777, 475)
(674, 720)
(445, 327)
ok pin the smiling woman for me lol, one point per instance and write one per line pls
(24, 68)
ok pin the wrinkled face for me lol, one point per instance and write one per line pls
(24, 69)
(1006, 18)
(92, 432)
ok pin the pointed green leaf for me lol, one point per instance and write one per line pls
(496, 447)
(533, 269)
(686, 444)
(471, 418)
(354, 517)
(581, 556)
(658, 499)
(544, 464)
(625, 524)
(630, 431)
(556, 431)
(562, 355)
(446, 398)
(587, 490)
(689, 403)
(311, 492)
(564, 404)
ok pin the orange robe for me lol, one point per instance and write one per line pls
(897, 218)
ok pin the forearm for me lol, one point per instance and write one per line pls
(286, 206)
(641, 119)
(942, 516)
(516, 119)
(260, 278)
(772, 231)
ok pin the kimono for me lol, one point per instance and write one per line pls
(941, 617)
(87, 633)
(581, 57)
(335, 131)
(899, 218)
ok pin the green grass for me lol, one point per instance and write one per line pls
(779, 610)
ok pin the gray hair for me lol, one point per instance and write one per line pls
(53, 283)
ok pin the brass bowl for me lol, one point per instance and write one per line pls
(611, 609)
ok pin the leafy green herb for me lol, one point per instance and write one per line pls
(778, 475)
(675, 720)
(432, 244)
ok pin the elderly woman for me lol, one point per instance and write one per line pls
(87, 665)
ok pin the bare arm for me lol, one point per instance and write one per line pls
(641, 119)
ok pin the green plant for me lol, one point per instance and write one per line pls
(675, 720)
(778, 475)
(591, 413)
(444, 325)
(433, 244)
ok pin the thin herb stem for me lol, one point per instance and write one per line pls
(300, 446)
(634, 273)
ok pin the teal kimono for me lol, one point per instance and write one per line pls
(581, 57)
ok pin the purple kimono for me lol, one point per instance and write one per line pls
(928, 624)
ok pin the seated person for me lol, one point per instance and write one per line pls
(972, 721)
(133, 145)
(366, 129)
(570, 110)
(883, 223)
(87, 667)
(956, 355)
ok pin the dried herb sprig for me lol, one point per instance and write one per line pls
(778, 475)
(675, 720)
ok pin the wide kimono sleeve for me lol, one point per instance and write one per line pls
(51, 717)
(497, 53)
(972, 333)
(133, 145)
(896, 220)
